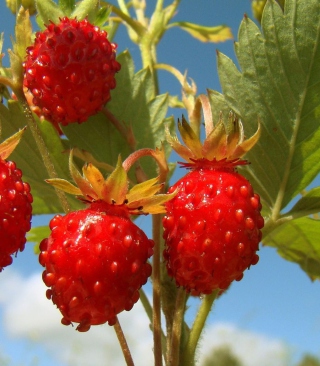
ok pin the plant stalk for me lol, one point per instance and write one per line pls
(188, 354)
(156, 289)
(123, 344)
(177, 328)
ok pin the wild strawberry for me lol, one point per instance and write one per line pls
(70, 70)
(212, 226)
(15, 207)
(95, 259)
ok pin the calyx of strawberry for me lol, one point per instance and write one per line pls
(8, 145)
(91, 186)
(224, 143)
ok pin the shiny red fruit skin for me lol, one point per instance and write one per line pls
(15, 211)
(95, 263)
(211, 230)
(70, 71)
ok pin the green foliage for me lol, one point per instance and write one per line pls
(134, 111)
(27, 158)
(222, 356)
(278, 85)
(309, 360)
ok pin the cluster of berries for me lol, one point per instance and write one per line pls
(96, 259)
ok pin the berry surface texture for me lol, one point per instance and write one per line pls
(70, 70)
(95, 263)
(15, 211)
(212, 229)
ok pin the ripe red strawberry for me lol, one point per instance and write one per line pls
(212, 226)
(95, 259)
(15, 207)
(70, 71)
(96, 262)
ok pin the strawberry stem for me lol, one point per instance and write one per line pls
(177, 327)
(123, 344)
(188, 353)
(157, 155)
(156, 280)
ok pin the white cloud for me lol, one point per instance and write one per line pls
(28, 314)
(250, 348)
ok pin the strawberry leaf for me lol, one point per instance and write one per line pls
(279, 83)
(36, 234)
(298, 241)
(28, 159)
(307, 205)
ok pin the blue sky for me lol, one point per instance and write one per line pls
(275, 303)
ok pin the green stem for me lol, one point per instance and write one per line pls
(189, 352)
(156, 280)
(123, 344)
(32, 124)
(177, 328)
(136, 26)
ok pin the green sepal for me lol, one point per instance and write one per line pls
(190, 138)
(151, 205)
(214, 145)
(80, 181)
(48, 12)
(9, 144)
(116, 186)
(86, 9)
(147, 188)
(64, 186)
(102, 16)
(180, 149)
(67, 6)
(23, 32)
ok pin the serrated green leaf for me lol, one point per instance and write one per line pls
(279, 83)
(307, 205)
(133, 107)
(298, 241)
(28, 159)
(86, 9)
(48, 11)
(219, 33)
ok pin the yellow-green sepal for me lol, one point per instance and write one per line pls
(8, 145)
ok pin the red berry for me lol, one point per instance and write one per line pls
(212, 228)
(70, 71)
(15, 211)
(95, 262)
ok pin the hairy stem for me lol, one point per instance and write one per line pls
(156, 280)
(123, 344)
(196, 330)
(177, 327)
